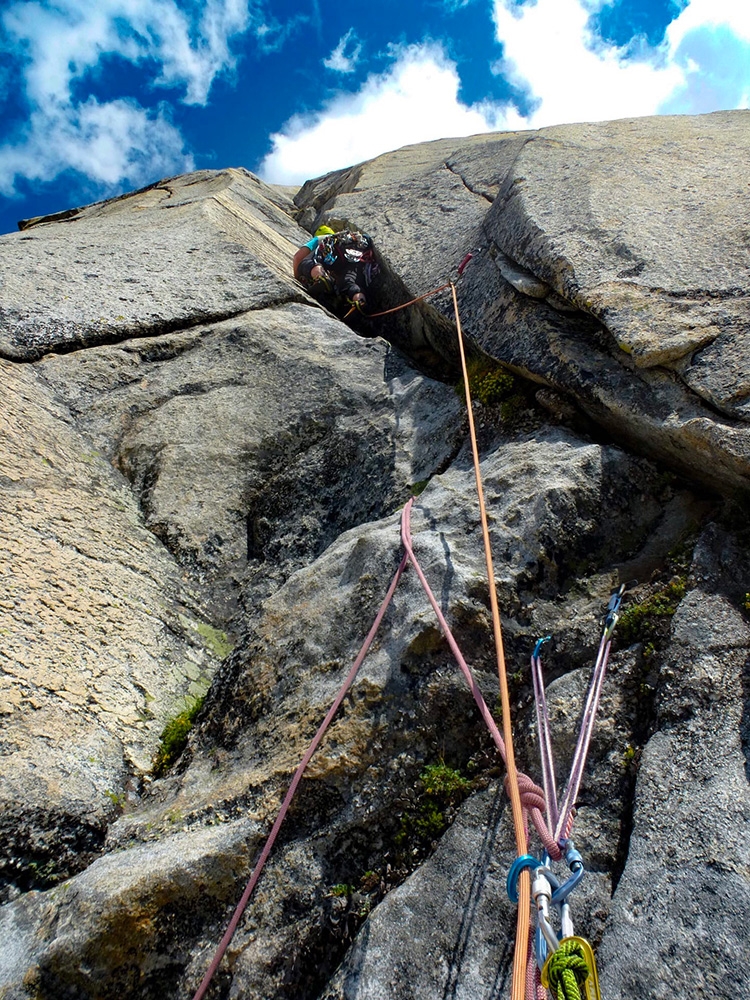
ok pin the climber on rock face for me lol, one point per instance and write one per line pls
(304, 264)
(342, 262)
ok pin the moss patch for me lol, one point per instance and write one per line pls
(443, 790)
(174, 738)
(490, 384)
(645, 622)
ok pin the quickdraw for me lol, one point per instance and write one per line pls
(570, 972)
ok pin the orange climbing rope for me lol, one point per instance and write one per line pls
(387, 312)
(523, 793)
(411, 302)
(519, 824)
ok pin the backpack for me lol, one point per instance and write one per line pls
(346, 249)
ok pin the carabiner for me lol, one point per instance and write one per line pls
(525, 861)
(539, 644)
(575, 863)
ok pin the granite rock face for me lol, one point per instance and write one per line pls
(101, 638)
(147, 477)
(606, 271)
(202, 471)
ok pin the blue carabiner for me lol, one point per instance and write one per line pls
(525, 861)
(541, 948)
(575, 863)
(539, 644)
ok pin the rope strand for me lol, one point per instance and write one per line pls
(519, 823)
(260, 864)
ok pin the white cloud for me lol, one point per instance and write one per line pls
(549, 51)
(710, 41)
(116, 141)
(415, 101)
(733, 14)
(338, 60)
(572, 75)
(108, 143)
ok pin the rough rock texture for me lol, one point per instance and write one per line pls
(196, 454)
(409, 707)
(606, 273)
(101, 639)
(688, 871)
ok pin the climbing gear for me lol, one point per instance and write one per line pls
(570, 972)
(512, 783)
(340, 249)
(547, 891)
(260, 864)
(511, 885)
(324, 282)
(419, 298)
(536, 793)
(323, 231)
(593, 695)
(526, 797)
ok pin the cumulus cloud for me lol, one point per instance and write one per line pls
(338, 60)
(116, 141)
(414, 101)
(710, 42)
(107, 143)
(550, 53)
(572, 75)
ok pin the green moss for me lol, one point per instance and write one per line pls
(443, 789)
(489, 383)
(116, 798)
(217, 641)
(174, 738)
(509, 407)
(445, 784)
(342, 889)
(44, 874)
(644, 622)
(416, 488)
(370, 881)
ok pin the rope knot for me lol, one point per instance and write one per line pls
(567, 971)
(532, 796)
(532, 800)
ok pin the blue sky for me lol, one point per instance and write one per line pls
(98, 97)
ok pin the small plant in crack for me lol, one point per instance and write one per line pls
(174, 738)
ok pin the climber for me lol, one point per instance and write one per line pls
(343, 263)
(304, 265)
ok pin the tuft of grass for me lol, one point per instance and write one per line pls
(445, 784)
(444, 788)
(342, 889)
(174, 738)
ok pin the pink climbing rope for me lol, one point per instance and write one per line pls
(565, 818)
(532, 797)
(545, 740)
(260, 864)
